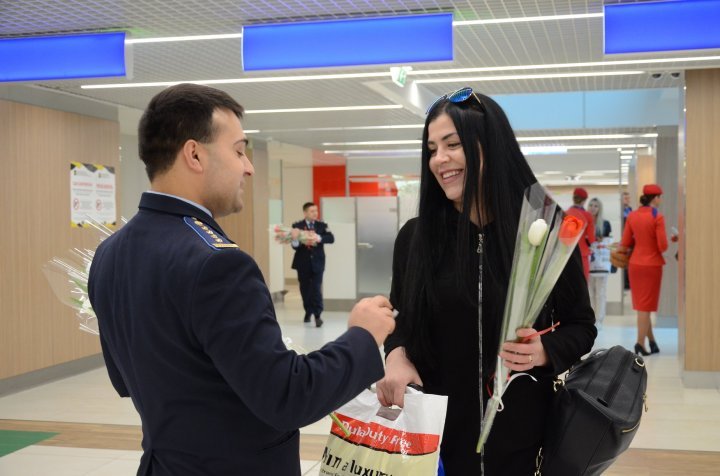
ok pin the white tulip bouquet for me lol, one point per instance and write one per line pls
(544, 243)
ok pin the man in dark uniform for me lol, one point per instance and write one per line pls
(309, 260)
(187, 325)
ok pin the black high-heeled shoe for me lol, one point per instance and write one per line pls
(640, 350)
(654, 349)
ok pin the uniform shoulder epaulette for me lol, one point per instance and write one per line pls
(214, 240)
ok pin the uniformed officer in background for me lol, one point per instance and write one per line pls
(309, 260)
(187, 325)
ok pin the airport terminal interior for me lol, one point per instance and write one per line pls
(345, 132)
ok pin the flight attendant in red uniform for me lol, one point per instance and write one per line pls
(645, 234)
(588, 238)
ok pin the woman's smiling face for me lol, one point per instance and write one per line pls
(447, 158)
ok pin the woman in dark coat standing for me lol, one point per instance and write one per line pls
(472, 182)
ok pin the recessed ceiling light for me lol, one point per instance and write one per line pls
(543, 149)
(525, 67)
(351, 128)
(375, 142)
(372, 151)
(598, 172)
(585, 137)
(264, 79)
(324, 109)
(528, 76)
(167, 39)
(603, 146)
(526, 19)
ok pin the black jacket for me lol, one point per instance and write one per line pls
(453, 370)
(312, 258)
(188, 331)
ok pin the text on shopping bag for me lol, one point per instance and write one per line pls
(383, 438)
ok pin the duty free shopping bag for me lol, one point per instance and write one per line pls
(386, 441)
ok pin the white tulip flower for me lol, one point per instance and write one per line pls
(537, 231)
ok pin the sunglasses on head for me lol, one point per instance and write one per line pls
(461, 95)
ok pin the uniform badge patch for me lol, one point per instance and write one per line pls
(214, 240)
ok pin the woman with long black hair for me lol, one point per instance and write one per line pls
(472, 183)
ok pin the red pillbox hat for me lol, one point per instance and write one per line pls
(652, 189)
(580, 192)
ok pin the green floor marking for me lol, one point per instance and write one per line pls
(16, 440)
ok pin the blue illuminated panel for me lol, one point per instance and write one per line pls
(390, 40)
(662, 26)
(62, 57)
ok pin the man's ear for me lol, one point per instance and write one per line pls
(191, 156)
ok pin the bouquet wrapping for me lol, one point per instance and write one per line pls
(545, 241)
(283, 235)
(68, 278)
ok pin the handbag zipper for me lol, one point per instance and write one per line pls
(645, 406)
(610, 394)
(633, 428)
(480, 339)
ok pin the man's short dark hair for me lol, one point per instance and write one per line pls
(176, 115)
(307, 205)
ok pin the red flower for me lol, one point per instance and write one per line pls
(570, 229)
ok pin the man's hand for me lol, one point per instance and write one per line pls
(313, 238)
(374, 315)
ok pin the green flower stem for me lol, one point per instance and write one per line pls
(81, 285)
(339, 423)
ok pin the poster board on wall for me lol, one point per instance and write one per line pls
(92, 194)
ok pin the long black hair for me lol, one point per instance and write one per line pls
(496, 174)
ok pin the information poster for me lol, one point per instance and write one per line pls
(92, 194)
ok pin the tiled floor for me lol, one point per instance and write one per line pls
(678, 418)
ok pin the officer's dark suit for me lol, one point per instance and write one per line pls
(188, 330)
(309, 261)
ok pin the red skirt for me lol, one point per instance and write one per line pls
(645, 286)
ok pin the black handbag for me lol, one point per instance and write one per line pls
(595, 414)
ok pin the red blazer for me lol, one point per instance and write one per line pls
(645, 234)
(589, 236)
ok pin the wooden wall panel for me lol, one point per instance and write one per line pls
(645, 173)
(702, 325)
(260, 209)
(36, 331)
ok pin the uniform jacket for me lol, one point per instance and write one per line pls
(645, 233)
(312, 258)
(188, 331)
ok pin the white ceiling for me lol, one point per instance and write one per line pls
(493, 45)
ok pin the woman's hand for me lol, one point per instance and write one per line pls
(399, 372)
(524, 355)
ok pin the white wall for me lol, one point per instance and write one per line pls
(297, 188)
(392, 165)
(340, 278)
(133, 179)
